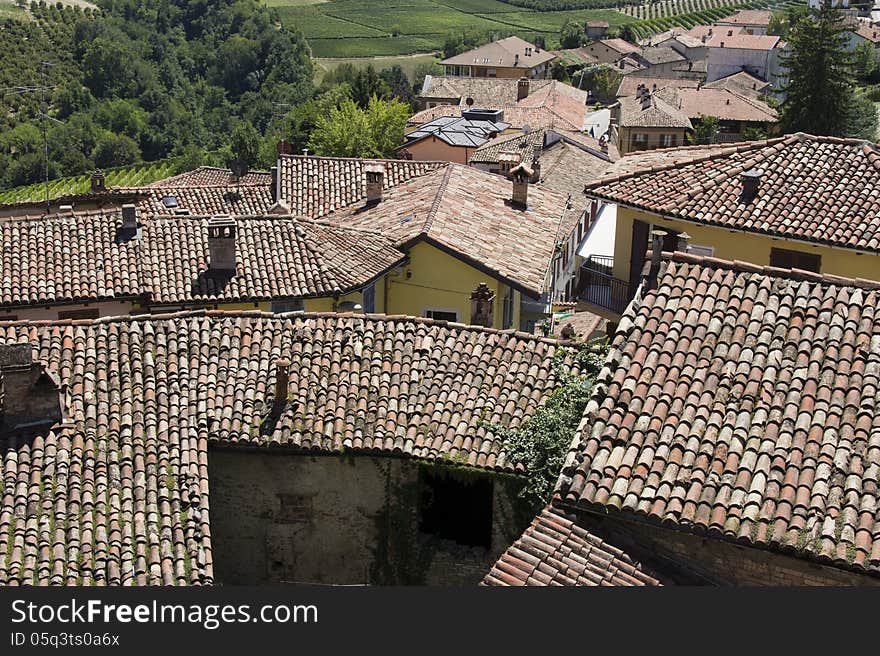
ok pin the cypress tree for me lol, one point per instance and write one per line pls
(819, 93)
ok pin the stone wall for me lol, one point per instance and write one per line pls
(716, 561)
(280, 517)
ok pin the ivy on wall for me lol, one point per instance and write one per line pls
(540, 443)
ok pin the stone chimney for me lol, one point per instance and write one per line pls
(657, 237)
(507, 160)
(521, 174)
(98, 182)
(522, 88)
(31, 394)
(683, 240)
(129, 217)
(375, 174)
(273, 186)
(751, 184)
(282, 383)
(221, 243)
(283, 147)
(483, 306)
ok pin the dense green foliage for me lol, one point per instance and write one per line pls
(820, 96)
(145, 79)
(541, 442)
(352, 131)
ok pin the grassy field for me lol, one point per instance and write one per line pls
(11, 10)
(408, 63)
(366, 28)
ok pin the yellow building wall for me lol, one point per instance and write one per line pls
(441, 282)
(731, 245)
(625, 145)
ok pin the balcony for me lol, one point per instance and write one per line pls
(599, 288)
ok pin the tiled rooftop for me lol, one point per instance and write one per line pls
(555, 550)
(251, 199)
(315, 186)
(820, 189)
(119, 494)
(741, 402)
(741, 82)
(468, 212)
(510, 52)
(724, 104)
(88, 256)
(209, 176)
(651, 111)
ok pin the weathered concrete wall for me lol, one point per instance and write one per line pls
(336, 520)
(726, 563)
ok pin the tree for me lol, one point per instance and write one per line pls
(819, 93)
(861, 118)
(245, 143)
(706, 129)
(398, 83)
(367, 84)
(558, 71)
(115, 150)
(571, 35)
(864, 60)
(349, 131)
(782, 21)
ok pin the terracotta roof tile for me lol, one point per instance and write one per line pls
(120, 494)
(89, 257)
(556, 550)
(820, 189)
(209, 176)
(741, 401)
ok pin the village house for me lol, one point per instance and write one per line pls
(738, 115)
(791, 202)
(536, 104)
(450, 138)
(660, 61)
(210, 447)
(729, 441)
(646, 121)
(340, 237)
(748, 21)
(610, 51)
(731, 51)
(595, 30)
(511, 57)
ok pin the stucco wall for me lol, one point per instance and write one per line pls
(625, 144)
(730, 245)
(432, 149)
(279, 517)
(439, 281)
(105, 309)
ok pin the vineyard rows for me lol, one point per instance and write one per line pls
(667, 8)
(134, 175)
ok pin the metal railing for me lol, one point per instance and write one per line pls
(598, 287)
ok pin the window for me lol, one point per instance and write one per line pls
(85, 313)
(668, 140)
(441, 315)
(507, 307)
(639, 141)
(702, 251)
(295, 305)
(491, 72)
(456, 510)
(368, 300)
(785, 259)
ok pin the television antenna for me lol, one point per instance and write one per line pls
(42, 88)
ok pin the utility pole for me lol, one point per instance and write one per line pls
(44, 115)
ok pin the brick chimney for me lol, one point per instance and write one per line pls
(751, 184)
(521, 174)
(273, 186)
(98, 182)
(375, 174)
(522, 88)
(129, 217)
(221, 243)
(31, 394)
(282, 383)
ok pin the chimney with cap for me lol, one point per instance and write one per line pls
(282, 382)
(98, 182)
(751, 184)
(657, 238)
(31, 394)
(522, 88)
(521, 174)
(375, 174)
(221, 243)
(683, 239)
(129, 217)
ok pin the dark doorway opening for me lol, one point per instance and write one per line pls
(456, 510)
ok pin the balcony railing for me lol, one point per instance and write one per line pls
(598, 287)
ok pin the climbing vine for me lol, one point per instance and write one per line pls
(540, 442)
